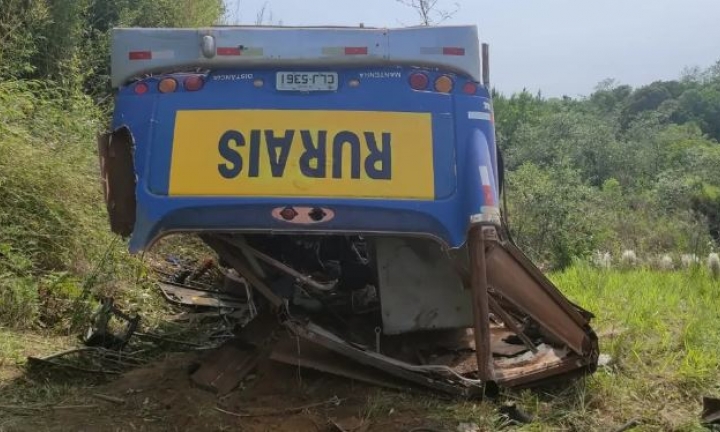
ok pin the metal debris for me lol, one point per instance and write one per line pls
(522, 331)
(100, 331)
(115, 150)
(513, 415)
(196, 297)
(711, 411)
(311, 356)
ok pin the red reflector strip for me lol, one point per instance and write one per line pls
(453, 51)
(343, 51)
(356, 50)
(229, 51)
(140, 55)
(489, 198)
(488, 195)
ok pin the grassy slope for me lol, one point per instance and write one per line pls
(54, 238)
(663, 333)
(666, 355)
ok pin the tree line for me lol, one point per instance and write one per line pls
(624, 168)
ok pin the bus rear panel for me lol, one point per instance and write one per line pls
(361, 150)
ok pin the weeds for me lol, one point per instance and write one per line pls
(663, 335)
(54, 239)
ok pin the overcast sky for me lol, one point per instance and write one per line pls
(562, 47)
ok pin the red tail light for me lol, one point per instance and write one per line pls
(470, 88)
(419, 81)
(194, 83)
(141, 88)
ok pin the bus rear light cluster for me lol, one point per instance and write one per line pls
(171, 85)
(442, 84)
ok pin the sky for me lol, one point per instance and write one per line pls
(561, 47)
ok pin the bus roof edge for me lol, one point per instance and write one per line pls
(140, 51)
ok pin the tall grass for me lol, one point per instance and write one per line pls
(662, 330)
(53, 227)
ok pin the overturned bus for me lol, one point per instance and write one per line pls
(351, 177)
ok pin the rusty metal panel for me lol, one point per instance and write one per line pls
(197, 297)
(117, 171)
(530, 293)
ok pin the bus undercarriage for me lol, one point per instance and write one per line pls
(404, 307)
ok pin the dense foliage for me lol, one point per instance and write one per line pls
(54, 239)
(66, 41)
(622, 168)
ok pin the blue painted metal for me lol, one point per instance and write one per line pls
(461, 144)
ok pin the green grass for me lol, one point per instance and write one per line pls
(662, 331)
(55, 244)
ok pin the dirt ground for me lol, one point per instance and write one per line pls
(161, 397)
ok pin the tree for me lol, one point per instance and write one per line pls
(550, 214)
(67, 41)
(429, 11)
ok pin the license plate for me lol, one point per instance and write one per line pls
(307, 81)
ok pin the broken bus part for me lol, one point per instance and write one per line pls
(353, 180)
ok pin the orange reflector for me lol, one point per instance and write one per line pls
(443, 84)
(167, 85)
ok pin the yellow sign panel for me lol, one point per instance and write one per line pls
(342, 154)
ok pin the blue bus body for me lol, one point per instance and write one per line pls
(347, 152)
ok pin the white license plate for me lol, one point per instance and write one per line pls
(307, 81)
